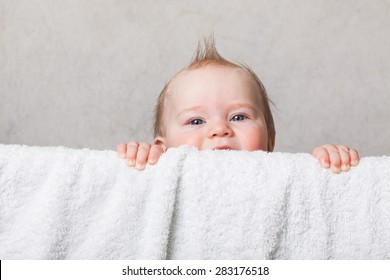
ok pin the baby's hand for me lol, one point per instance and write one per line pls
(138, 154)
(337, 157)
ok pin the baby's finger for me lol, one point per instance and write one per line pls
(335, 161)
(322, 155)
(154, 154)
(132, 149)
(142, 156)
(354, 157)
(345, 158)
(121, 149)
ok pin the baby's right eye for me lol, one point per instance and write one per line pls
(196, 122)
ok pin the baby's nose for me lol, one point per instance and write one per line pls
(221, 130)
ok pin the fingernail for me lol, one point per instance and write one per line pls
(324, 164)
(130, 162)
(345, 167)
(139, 166)
(335, 170)
(122, 155)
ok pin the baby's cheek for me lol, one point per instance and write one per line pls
(256, 146)
(257, 140)
(184, 139)
(194, 141)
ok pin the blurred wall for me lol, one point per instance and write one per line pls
(86, 73)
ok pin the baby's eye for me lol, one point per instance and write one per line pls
(238, 118)
(196, 122)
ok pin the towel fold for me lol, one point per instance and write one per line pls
(60, 203)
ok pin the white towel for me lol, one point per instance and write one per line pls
(59, 203)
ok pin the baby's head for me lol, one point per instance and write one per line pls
(214, 104)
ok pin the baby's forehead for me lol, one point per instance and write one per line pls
(206, 69)
(212, 75)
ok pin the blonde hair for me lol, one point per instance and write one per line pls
(207, 54)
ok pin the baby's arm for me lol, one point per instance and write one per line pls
(336, 157)
(137, 154)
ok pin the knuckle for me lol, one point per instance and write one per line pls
(328, 146)
(343, 148)
(132, 144)
(318, 150)
(333, 153)
(144, 146)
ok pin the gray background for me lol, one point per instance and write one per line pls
(86, 73)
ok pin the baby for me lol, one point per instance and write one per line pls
(216, 104)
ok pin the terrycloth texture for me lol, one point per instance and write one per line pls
(59, 203)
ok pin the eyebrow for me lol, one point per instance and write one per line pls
(245, 105)
(195, 108)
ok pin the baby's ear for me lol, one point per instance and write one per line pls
(160, 141)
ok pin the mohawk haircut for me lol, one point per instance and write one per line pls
(207, 54)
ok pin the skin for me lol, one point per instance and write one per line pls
(219, 107)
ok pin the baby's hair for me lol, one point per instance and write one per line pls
(207, 54)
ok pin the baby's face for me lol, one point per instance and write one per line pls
(214, 107)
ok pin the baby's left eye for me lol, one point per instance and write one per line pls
(238, 118)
